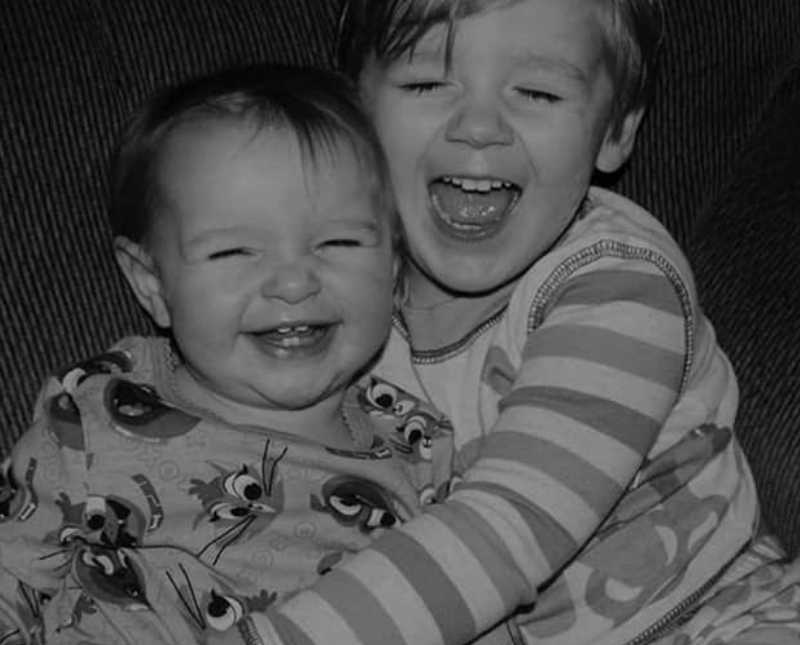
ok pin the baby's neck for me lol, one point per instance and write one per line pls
(322, 422)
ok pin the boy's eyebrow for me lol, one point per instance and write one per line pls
(552, 64)
(524, 58)
(423, 55)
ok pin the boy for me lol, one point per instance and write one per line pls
(558, 326)
(170, 486)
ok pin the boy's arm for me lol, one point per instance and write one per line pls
(598, 378)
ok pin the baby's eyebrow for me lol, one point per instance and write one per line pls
(198, 241)
(372, 224)
(211, 233)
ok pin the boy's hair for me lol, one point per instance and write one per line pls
(389, 29)
(320, 107)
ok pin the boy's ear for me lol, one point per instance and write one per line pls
(139, 269)
(617, 146)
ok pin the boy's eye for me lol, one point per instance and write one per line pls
(422, 87)
(537, 95)
(228, 253)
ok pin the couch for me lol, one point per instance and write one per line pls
(718, 161)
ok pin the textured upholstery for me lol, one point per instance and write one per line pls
(747, 263)
(718, 161)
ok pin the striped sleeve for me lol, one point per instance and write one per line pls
(598, 377)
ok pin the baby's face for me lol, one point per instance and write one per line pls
(276, 272)
(491, 158)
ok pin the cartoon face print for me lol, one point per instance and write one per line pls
(205, 596)
(109, 575)
(415, 427)
(244, 500)
(357, 502)
(137, 410)
(17, 501)
(223, 611)
(382, 399)
(64, 415)
(115, 362)
(65, 422)
(93, 543)
(109, 521)
(99, 575)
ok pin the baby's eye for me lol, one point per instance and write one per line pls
(229, 253)
(537, 96)
(346, 242)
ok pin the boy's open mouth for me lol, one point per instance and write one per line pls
(472, 207)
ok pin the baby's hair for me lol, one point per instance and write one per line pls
(320, 107)
(388, 29)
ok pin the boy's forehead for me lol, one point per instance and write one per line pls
(545, 34)
(430, 31)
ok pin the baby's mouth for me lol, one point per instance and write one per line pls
(295, 337)
(473, 207)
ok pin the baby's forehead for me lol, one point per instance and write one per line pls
(234, 154)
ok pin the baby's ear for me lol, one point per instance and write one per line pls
(618, 143)
(141, 273)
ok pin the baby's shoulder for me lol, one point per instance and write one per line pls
(110, 397)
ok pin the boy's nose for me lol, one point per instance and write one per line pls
(291, 281)
(479, 125)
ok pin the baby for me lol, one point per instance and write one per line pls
(176, 483)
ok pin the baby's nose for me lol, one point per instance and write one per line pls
(291, 280)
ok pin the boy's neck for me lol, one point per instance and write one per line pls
(436, 317)
(323, 422)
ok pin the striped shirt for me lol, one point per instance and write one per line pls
(600, 482)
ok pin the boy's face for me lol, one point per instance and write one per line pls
(491, 157)
(276, 274)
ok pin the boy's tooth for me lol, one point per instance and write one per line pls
(481, 185)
